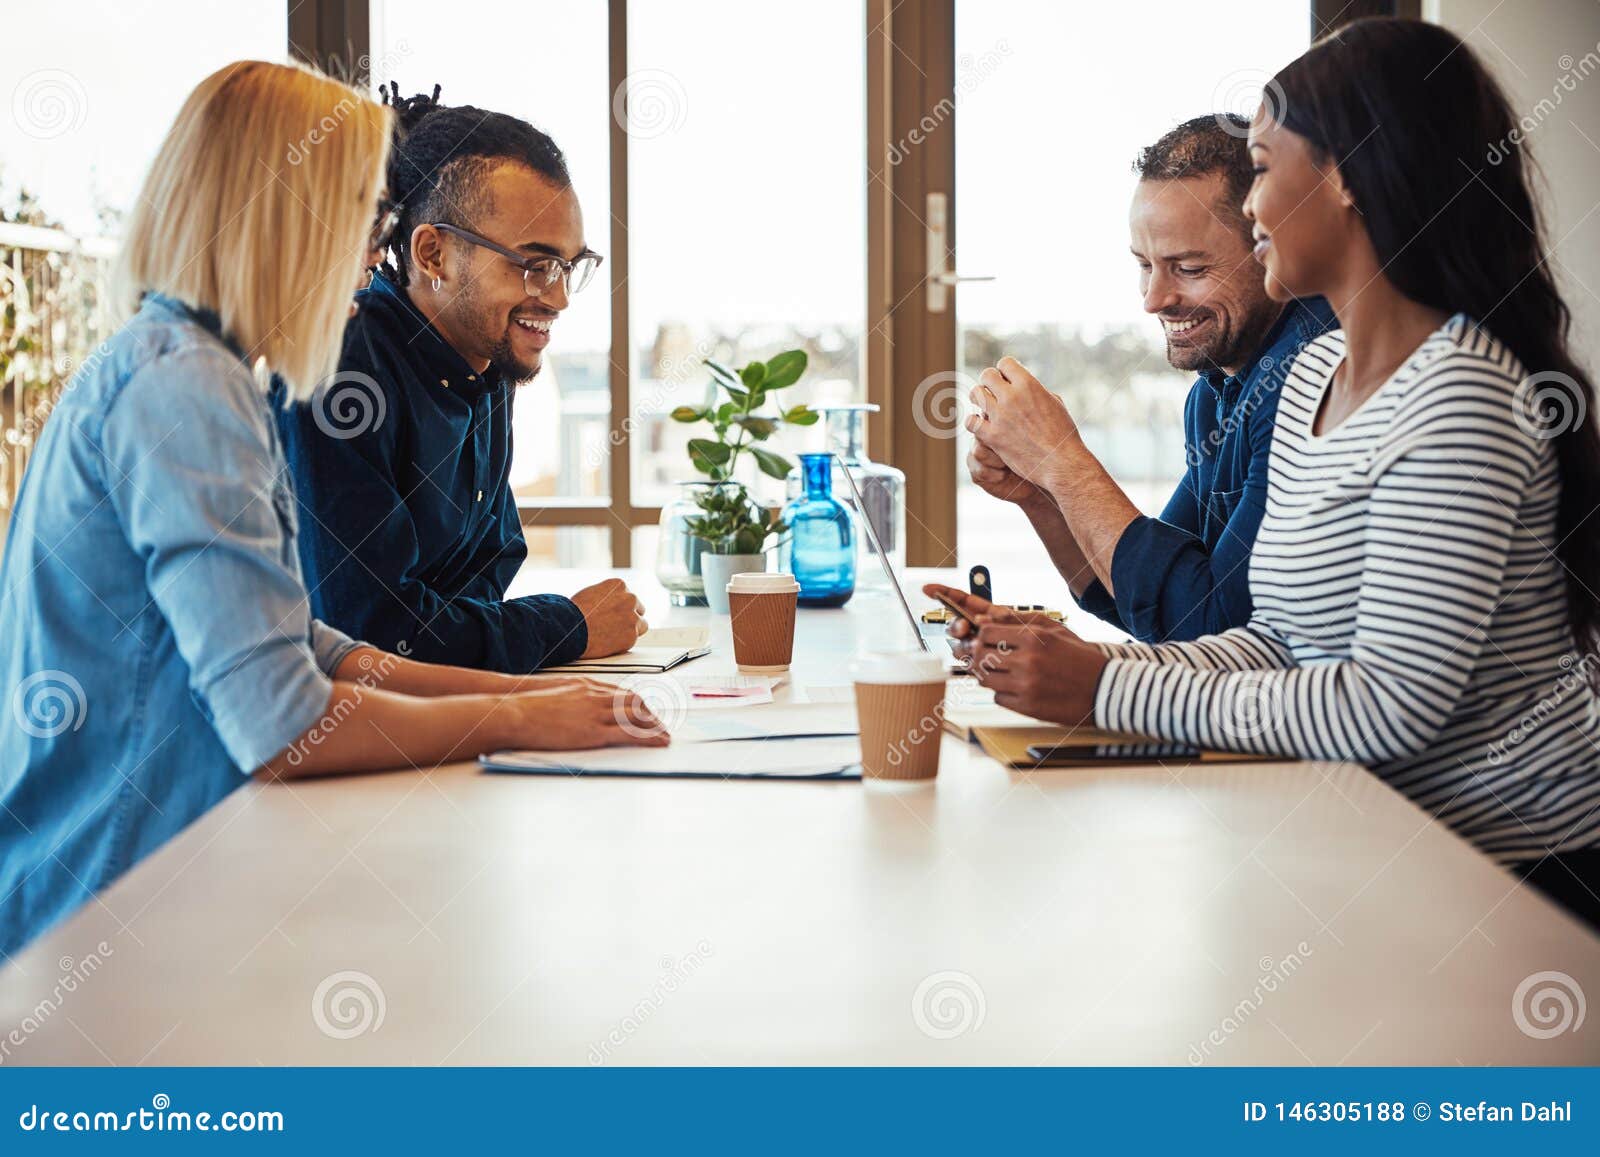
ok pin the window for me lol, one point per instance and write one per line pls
(1046, 214)
(746, 212)
(543, 61)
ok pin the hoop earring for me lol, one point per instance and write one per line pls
(436, 285)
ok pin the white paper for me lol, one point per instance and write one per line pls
(770, 721)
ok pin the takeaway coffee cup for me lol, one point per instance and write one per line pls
(762, 608)
(900, 706)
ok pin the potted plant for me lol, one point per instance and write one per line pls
(735, 529)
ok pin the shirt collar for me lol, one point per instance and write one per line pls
(436, 360)
(1299, 323)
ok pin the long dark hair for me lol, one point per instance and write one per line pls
(441, 156)
(1425, 141)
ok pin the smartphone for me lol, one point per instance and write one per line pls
(949, 604)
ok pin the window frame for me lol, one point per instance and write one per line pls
(910, 69)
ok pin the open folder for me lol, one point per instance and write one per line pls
(829, 758)
(1045, 746)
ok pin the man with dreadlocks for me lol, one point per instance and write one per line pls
(410, 533)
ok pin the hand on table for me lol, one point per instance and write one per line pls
(614, 617)
(1032, 663)
(568, 713)
(1020, 421)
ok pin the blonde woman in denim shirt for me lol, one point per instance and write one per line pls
(158, 642)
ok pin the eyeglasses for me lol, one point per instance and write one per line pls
(383, 228)
(538, 273)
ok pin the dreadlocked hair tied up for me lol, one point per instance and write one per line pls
(441, 159)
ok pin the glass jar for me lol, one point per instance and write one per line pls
(678, 550)
(819, 548)
(883, 490)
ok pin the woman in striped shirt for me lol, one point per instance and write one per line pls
(1424, 580)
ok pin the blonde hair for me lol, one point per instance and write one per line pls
(258, 208)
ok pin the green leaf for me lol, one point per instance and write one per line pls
(772, 465)
(785, 369)
(726, 411)
(713, 452)
(688, 414)
(722, 373)
(760, 428)
(800, 416)
(753, 374)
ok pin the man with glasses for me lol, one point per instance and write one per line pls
(409, 531)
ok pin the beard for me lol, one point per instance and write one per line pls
(516, 371)
(1227, 345)
(493, 329)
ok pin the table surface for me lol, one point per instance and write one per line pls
(1284, 913)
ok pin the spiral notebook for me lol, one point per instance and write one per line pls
(657, 650)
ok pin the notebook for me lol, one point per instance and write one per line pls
(657, 650)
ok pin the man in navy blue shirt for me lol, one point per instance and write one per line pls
(1185, 574)
(409, 531)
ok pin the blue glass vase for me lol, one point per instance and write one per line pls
(819, 548)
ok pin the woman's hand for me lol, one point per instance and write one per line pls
(1021, 421)
(560, 713)
(1033, 664)
(1037, 666)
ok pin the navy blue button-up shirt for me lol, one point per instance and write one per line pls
(409, 530)
(1187, 573)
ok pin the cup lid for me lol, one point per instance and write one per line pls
(891, 667)
(762, 583)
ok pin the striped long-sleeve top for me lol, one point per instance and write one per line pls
(1410, 612)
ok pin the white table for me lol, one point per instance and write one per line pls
(1280, 913)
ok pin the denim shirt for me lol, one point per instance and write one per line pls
(158, 645)
(410, 531)
(1187, 573)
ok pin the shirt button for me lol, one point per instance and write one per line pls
(444, 383)
(480, 496)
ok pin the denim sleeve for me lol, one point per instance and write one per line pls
(1170, 587)
(330, 646)
(362, 557)
(191, 472)
(1098, 602)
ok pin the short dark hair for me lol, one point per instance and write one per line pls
(1198, 148)
(442, 156)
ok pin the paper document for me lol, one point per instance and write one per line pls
(771, 721)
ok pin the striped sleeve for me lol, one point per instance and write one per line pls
(1239, 649)
(1445, 481)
